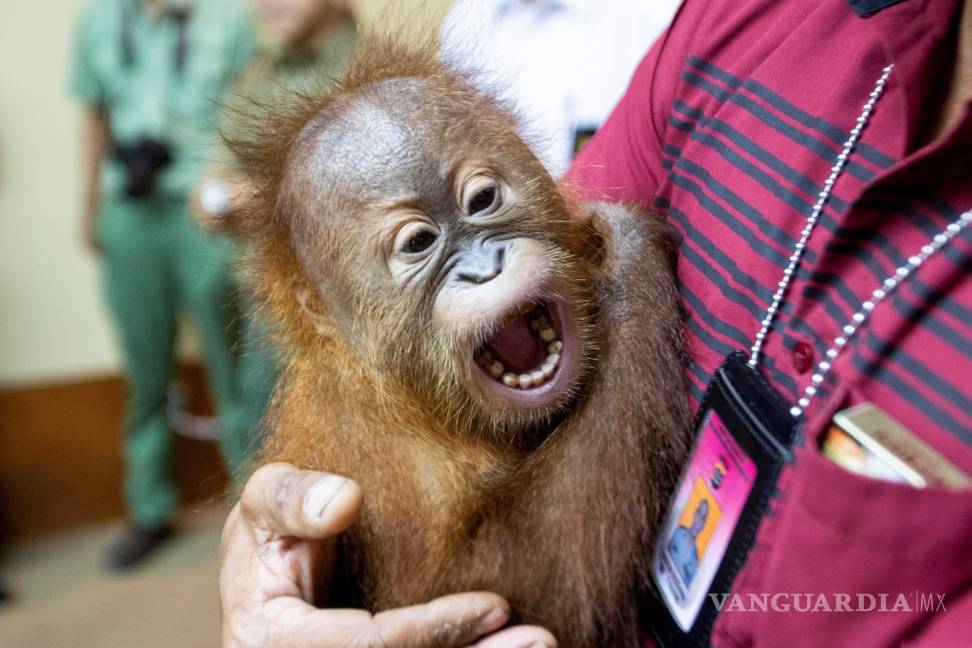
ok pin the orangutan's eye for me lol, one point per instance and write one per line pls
(483, 200)
(415, 239)
(482, 194)
(419, 242)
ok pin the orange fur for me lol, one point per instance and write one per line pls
(556, 511)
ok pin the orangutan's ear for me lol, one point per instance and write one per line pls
(597, 233)
(314, 307)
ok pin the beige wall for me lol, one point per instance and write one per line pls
(52, 324)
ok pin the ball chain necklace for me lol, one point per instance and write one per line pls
(884, 289)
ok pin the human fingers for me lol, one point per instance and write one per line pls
(280, 500)
(518, 637)
(447, 622)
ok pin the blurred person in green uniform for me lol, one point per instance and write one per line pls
(149, 74)
(304, 46)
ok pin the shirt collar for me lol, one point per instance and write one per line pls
(167, 9)
(504, 6)
(574, 5)
(865, 8)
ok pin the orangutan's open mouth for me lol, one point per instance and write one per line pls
(531, 358)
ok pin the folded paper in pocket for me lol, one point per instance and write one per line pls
(866, 440)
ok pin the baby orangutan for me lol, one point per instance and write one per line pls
(496, 365)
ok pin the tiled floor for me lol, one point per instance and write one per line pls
(64, 599)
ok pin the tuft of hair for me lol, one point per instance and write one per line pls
(263, 136)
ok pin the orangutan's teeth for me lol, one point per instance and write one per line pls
(535, 378)
(538, 320)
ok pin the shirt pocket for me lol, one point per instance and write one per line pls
(203, 96)
(860, 561)
(204, 79)
(113, 77)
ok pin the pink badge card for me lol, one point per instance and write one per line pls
(707, 505)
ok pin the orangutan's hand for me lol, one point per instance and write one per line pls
(279, 547)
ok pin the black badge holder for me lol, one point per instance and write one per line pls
(744, 431)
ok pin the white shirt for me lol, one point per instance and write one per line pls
(563, 64)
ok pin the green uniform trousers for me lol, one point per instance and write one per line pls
(157, 262)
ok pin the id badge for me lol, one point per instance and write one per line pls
(743, 435)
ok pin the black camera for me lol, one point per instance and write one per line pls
(142, 159)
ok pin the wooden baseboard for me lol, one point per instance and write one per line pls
(60, 454)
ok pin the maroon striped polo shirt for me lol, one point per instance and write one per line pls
(730, 127)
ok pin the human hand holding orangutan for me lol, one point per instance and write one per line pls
(278, 548)
(496, 366)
